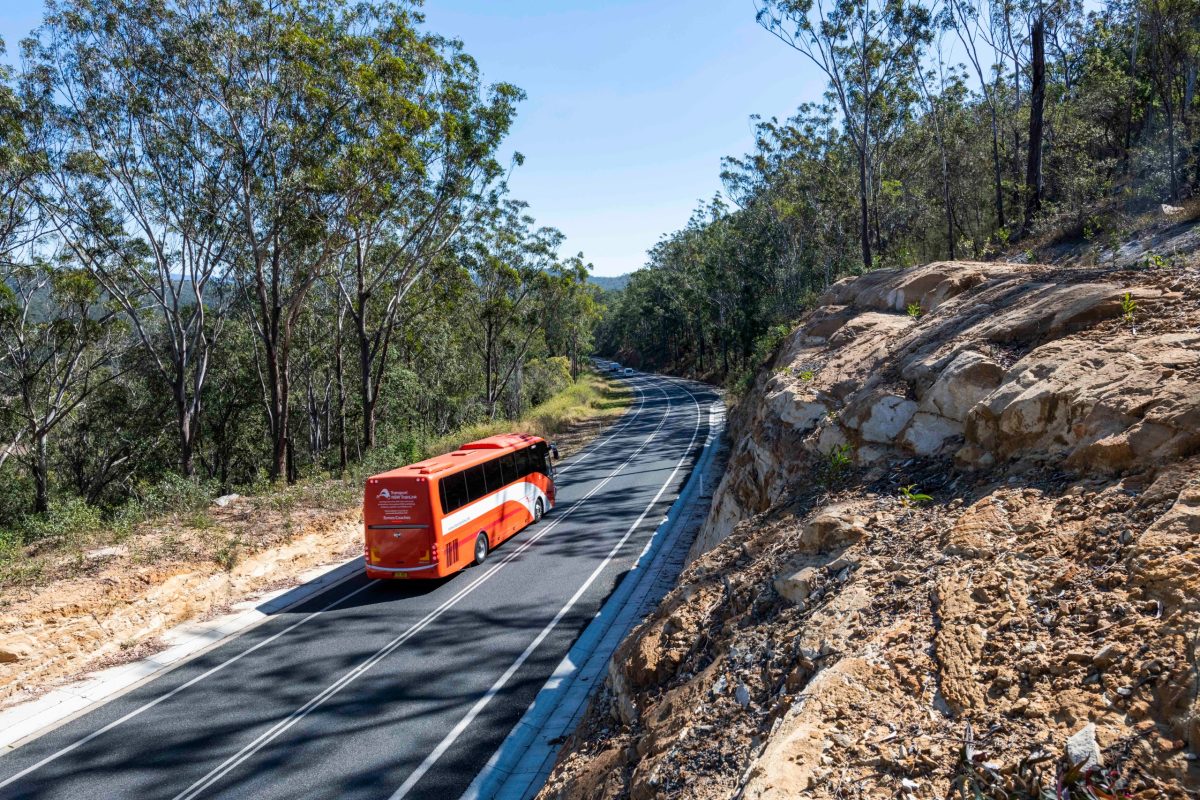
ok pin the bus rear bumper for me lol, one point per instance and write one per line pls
(404, 573)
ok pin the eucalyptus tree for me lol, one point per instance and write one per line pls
(509, 260)
(22, 225)
(343, 126)
(933, 114)
(865, 49)
(1173, 51)
(430, 173)
(968, 20)
(138, 189)
(572, 307)
(61, 343)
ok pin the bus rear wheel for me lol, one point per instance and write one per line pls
(539, 510)
(481, 548)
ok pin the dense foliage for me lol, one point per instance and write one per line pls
(1057, 124)
(245, 241)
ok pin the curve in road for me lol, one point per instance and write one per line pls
(386, 689)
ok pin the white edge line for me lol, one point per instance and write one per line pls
(75, 713)
(346, 679)
(480, 704)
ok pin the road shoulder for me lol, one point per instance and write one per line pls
(523, 762)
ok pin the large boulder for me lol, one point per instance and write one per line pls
(1105, 405)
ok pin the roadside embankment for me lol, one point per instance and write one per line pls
(955, 550)
(107, 597)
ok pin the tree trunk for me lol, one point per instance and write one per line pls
(1133, 48)
(187, 449)
(949, 208)
(41, 475)
(368, 392)
(340, 374)
(998, 174)
(1037, 102)
(863, 217)
(277, 376)
(187, 465)
(1171, 152)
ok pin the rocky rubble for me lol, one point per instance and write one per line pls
(849, 638)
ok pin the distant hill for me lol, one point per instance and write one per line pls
(610, 284)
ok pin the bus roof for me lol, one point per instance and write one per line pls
(468, 455)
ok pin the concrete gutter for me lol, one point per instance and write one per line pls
(520, 767)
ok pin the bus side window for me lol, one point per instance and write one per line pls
(508, 468)
(454, 491)
(524, 462)
(540, 456)
(492, 475)
(476, 488)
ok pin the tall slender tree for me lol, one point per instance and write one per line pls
(865, 49)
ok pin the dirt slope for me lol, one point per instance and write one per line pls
(845, 637)
(109, 605)
(120, 599)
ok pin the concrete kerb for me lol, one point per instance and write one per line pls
(27, 721)
(521, 764)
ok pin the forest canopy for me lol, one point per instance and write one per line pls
(948, 129)
(243, 242)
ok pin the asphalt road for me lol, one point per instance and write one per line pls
(387, 689)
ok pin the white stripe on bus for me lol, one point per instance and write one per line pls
(526, 496)
(641, 407)
(264, 738)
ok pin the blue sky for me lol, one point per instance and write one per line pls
(631, 105)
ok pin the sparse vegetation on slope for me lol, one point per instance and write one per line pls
(994, 594)
(89, 594)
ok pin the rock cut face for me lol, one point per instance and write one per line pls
(838, 633)
(1005, 363)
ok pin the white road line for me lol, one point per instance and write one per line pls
(140, 709)
(466, 721)
(233, 659)
(278, 728)
(590, 451)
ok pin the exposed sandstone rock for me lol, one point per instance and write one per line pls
(796, 584)
(930, 434)
(965, 381)
(840, 636)
(896, 290)
(879, 417)
(1105, 406)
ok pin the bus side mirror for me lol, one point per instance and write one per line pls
(554, 451)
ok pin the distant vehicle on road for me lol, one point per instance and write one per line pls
(433, 518)
(628, 371)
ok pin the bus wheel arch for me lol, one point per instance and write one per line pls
(482, 547)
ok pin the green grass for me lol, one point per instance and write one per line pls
(589, 397)
(29, 550)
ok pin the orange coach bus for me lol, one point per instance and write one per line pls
(433, 518)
